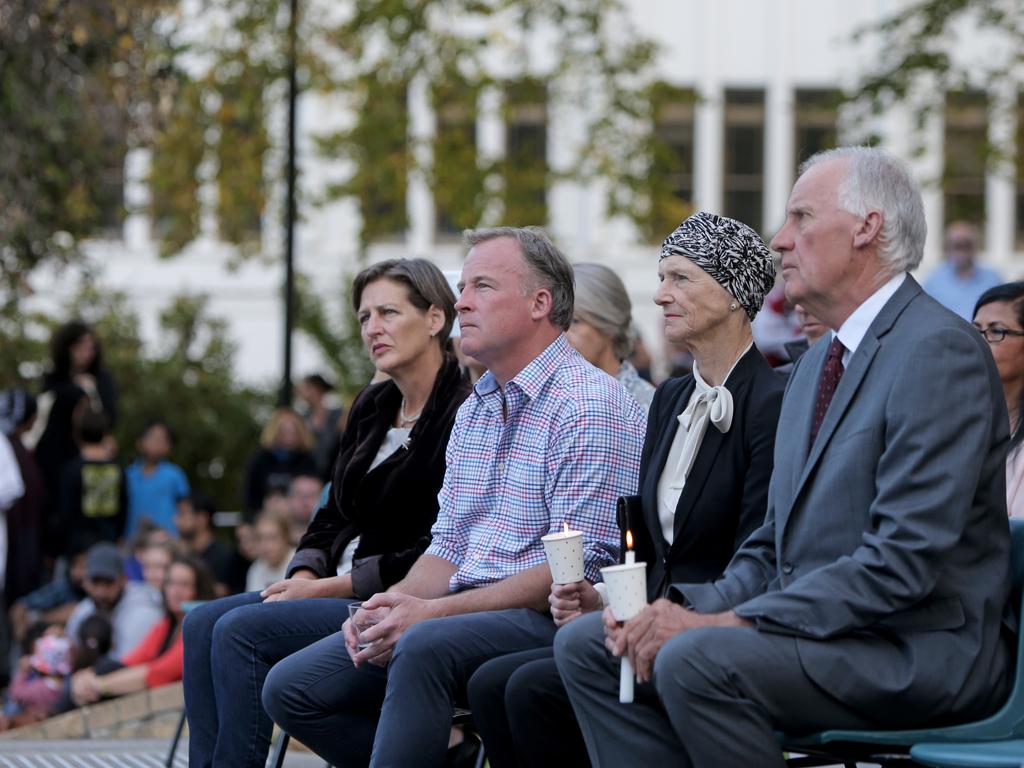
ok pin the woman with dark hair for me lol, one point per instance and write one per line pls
(157, 660)
(384, 491)
(999, 315)
(76, 376)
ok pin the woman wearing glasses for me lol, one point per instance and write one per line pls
(999, 315)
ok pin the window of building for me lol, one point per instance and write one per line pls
(526, 153)
(814, 122)
(457, 179)
(965, 151)
(670, 177)
(743, 185)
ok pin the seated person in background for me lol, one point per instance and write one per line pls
(545, 439)
(384, 491)
(41, 687)
(157, 660)
(325, 419)
(93, 497)
(155, 485)
(52, 603)
(275, 551)
(812, 328)
(875, 593)
(303, 501)
(194, 520)
(704, 473)
(92, 642)
(999, 316)
(602, 327)
(286, 450)
(34, 693)
(132, 607)
(155, 558)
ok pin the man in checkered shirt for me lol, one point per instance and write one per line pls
(546, 439)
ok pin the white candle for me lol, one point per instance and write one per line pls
(626, 682)
(630, 557)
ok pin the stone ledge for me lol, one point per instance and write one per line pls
(149, 714)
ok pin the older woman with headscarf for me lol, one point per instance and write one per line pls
(704, 473)
(602, 327)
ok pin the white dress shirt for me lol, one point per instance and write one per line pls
(851, 333)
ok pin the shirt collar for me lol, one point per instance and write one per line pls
(851, 332)
(534, 376)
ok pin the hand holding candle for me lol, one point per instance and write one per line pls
(627, 596)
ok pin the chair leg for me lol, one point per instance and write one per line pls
(169, 763)
(280, 748)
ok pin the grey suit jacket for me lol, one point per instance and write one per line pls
(885, 551)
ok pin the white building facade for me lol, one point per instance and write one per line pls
(761, 71)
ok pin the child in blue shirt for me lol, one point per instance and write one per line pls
(155, 485)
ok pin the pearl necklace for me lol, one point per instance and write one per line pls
(403, 419)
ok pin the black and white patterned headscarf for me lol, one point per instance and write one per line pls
(728, 250)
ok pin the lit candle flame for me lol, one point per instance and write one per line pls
(629, 539)
(565, 526)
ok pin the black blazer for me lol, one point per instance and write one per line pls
(393, 506)
(726, 494)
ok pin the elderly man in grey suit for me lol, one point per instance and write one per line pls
(874, 593)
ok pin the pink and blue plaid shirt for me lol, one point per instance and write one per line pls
(569, 448)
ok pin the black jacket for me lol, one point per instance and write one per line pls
(393, 506)
(726, 493)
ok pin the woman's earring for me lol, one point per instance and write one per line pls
(732, 307)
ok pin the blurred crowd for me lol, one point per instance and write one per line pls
(103, 550)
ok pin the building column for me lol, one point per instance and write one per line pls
(1000, 180)
(708, 161)
(419, 199)
(778, 170)
(490, 145)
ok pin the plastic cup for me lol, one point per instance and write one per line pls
(363, 619)
(564, 551)
(627, 596)
(627, 589)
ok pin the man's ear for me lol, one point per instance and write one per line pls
(542, 303)
(869, 230)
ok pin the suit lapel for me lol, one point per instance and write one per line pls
(702, 466)
(860, 364)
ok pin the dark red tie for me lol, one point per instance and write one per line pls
(830, 376)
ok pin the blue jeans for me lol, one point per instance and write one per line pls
(401, 716)
(230, 646)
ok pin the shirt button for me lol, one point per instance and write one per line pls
(501, 467)
(787, 568)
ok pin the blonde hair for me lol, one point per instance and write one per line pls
(278, 519)
(602, 301)
(269, 435)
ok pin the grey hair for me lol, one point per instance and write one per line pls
(875, 179)
(602, 301)
(543, 259)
